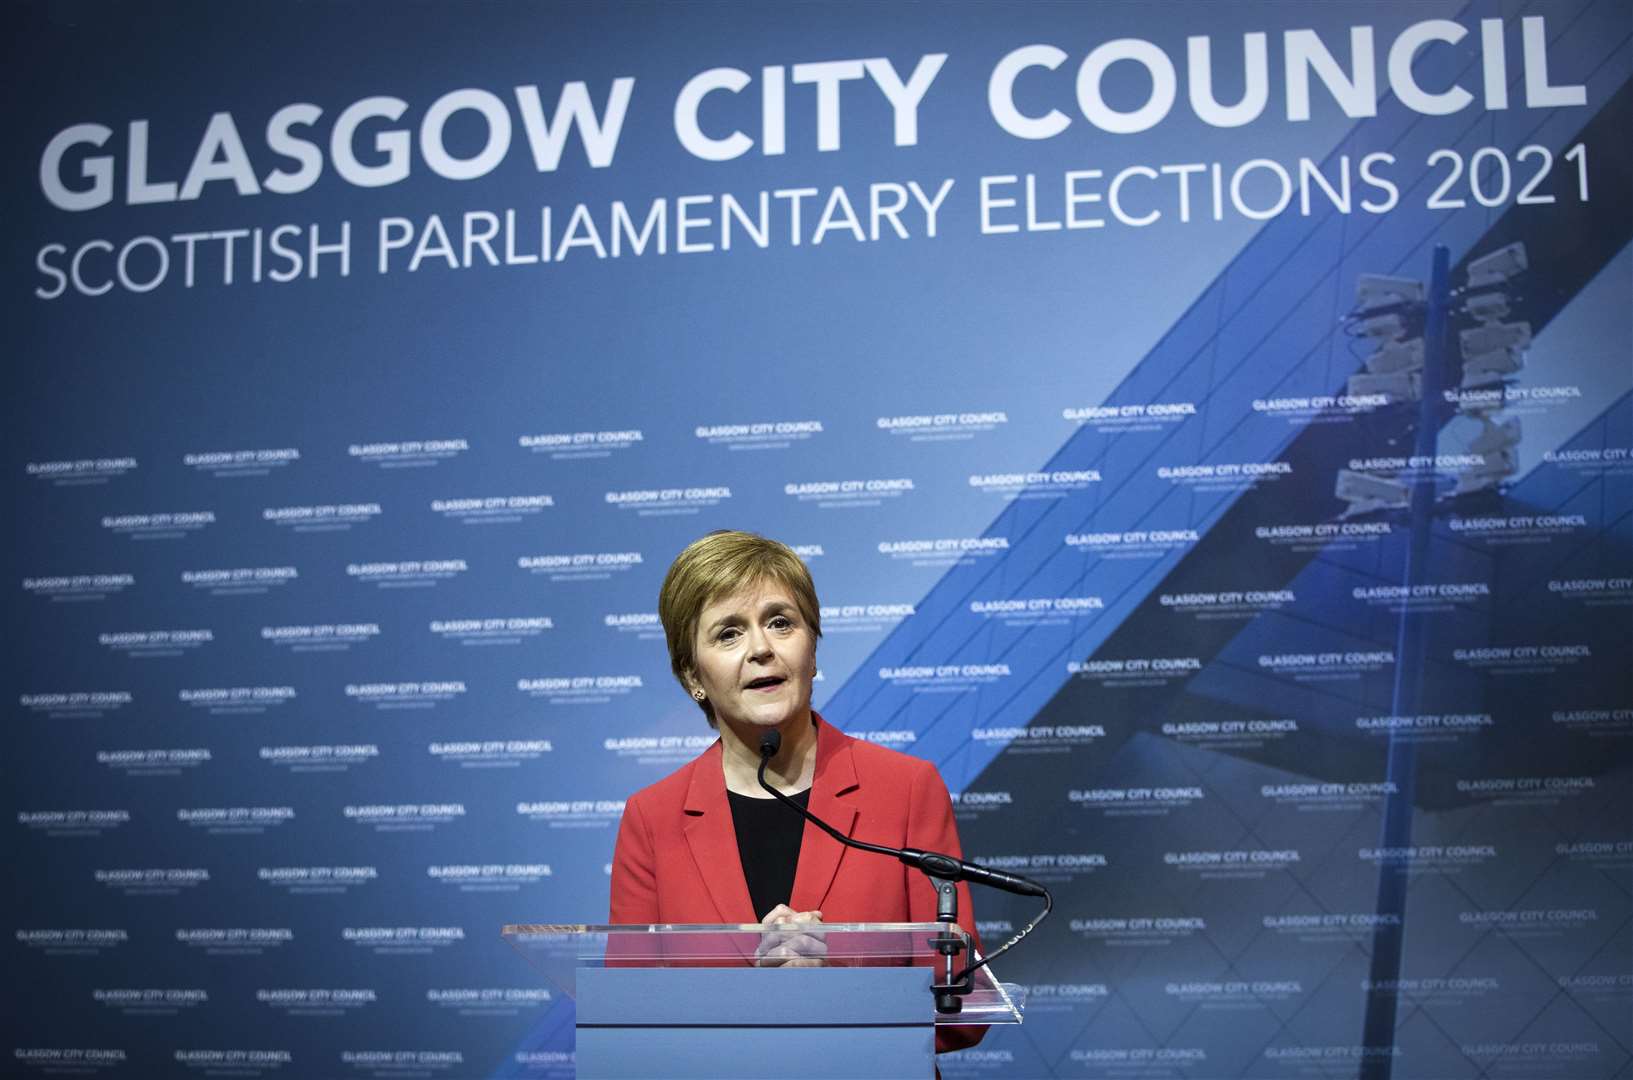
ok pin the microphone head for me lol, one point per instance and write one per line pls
(770, 743)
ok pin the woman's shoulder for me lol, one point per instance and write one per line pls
(671, 790)
(876, 755)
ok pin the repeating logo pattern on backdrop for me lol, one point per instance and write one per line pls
(304, 712)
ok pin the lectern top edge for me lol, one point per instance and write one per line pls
(514, 929)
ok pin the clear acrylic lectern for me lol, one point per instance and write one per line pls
(693, 1001)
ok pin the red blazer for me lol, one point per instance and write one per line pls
(677, 862)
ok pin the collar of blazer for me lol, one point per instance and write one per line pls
(713, 839)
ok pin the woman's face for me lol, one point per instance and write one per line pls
(755, 658)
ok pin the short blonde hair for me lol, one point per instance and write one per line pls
(715, 566)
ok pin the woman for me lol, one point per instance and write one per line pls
(707, 844)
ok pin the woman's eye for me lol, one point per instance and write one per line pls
(728, 634)
(781, 622)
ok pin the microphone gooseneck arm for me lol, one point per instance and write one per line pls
(770, 743)
(935, 864)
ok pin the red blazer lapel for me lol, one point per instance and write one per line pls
(712, 839)
(832, 799)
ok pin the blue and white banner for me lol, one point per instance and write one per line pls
(1265, 593)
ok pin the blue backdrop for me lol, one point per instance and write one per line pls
(371, 361)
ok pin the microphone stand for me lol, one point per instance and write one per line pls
(944, 872)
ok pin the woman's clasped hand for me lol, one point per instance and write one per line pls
(801, 944)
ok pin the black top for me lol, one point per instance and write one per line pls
(768, 839)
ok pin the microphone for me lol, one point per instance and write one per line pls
(935, 864)
(944, 870)
(950, 869)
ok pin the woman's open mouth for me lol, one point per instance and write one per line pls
(768, 682)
